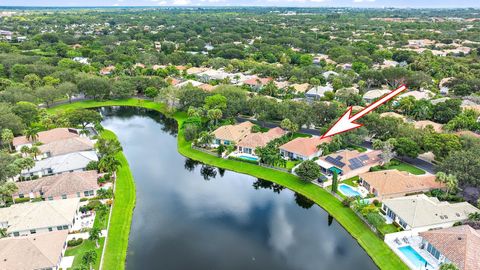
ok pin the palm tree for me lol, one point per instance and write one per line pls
(214, 115)
(24, 150)
(95, 234)
(35, 151)
(31, 134)
(206, 138)
(7, 137)
(89, 258)
(6, 190)
(474, 216)
(108, 164)
(449, 180)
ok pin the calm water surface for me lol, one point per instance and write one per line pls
(191, 216)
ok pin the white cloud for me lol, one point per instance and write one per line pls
(181, 2)
(362, 1)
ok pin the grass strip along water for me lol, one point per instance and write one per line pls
(119, 231)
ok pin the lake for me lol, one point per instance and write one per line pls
(192, 216)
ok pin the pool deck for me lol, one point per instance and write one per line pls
(408, 238)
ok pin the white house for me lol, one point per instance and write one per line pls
(39, 217)
(421, 213)
(71, 162)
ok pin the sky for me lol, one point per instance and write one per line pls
(289, 3)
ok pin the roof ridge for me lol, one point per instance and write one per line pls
(40, 251)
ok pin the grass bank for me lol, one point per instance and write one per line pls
(86, 245)
(116, 249)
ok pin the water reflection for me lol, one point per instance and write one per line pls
(182, 221)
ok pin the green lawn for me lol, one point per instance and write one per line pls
(102, 224)
(87, 245)
(118, 234)
(402, 166)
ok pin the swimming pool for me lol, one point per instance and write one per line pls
(249, 158)
(348, 191)
(415, 259)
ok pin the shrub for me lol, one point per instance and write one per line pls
(347, 201)
(22, 200)
(376, 203)
(375, 219)
(74, 242)
(83, 199)
(190, 132)
(92, 204)
(308, 171)
(92, 166)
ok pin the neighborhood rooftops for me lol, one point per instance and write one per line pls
(305, 147)
(422, 211)
(60, 184)
(374, 94)
(28, 216)
(460, 244)
(39, 251)
(394, 183)
(65, 146)
(48, 136)
(425, 123)
(233, 133)
(260, 139)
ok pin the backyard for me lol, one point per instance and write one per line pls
(81, 249)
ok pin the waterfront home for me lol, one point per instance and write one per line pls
(66, 146)
(422, 213)
(459, 245)
(40, 251)
(60, 186)
(372, 95)
(303, 148)
(393, 183)
(45, 137)
(232, 134)
(71, 162)
(349, 163)
(28, 218)
(260, 139)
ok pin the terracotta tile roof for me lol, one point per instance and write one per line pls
(460, 244)
(207, 87)
(60, 184)
(393, 114)
(70, 145)
(254, 140)
(300, 88)
(233, 133)
(48, 136)
(467, 133)
(393, 182)
(39, 251)
(304, 146)
(256, 81)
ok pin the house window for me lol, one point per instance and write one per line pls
(50, 198)
(59, 228)
(65, 227)
(21, 195)
(85, 193)
(432, 250)
(64, 196)
(78, 194)
(402, 223)
(33, 231)
(226, 142)
(16, 234)
(91, 193)
(217, 141)
(49, 171)
(50, 229)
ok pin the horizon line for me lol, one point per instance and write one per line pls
(244, 6)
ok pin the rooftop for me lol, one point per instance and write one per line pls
(233, 133)
(304, 146)
(460, 244)
(48, 136)
(392, 182)
(64, 163)
(60, 184)
(260, 139)
(421, 210)
(39, 251)
(26, 216)
(65, 146)
(349, 160)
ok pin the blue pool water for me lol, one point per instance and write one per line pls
(249, 158)
(348, 190)
(416, 259)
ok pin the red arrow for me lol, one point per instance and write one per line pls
(347, 122)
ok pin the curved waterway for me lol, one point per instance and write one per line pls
(192, 216)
